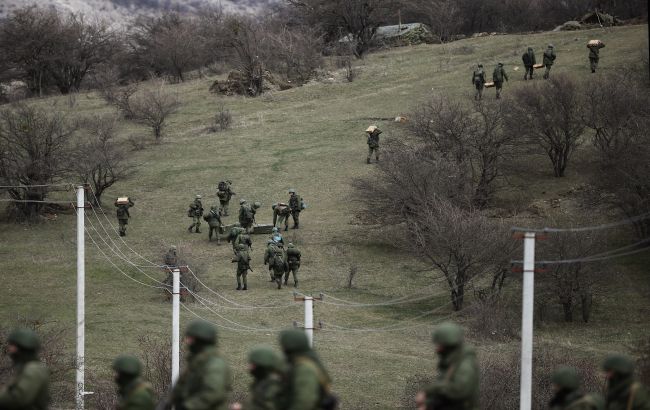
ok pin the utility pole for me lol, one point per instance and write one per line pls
(309, 315)
(81, 290)
(176, 294)
(525, 397)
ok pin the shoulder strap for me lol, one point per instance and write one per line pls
(324, 382)
(633, 389)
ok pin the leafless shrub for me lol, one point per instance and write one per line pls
(156, 362)
(149, 107)
(136, 143)
(248, 41)
(294, 53)
(493, 319)
(222, 121)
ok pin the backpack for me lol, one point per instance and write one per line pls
(328, 400)
(248, 213)
(277, 257)
(223, 186)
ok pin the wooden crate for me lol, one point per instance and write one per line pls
(536, 66)
(489, 85)
(123, 200)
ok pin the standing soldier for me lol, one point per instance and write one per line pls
(281, 212)
(296, 204)
(243, 261)
(373, 142)
(206, 381)
(275, 257)
(224, 193)
(239, 236)
(529, 61)
(28, 387)
(123, 214)
(624, 392)
(213, 218)
(478, 79)
(308, 384)
(594, 47)
(171, 257)
(134, 393)
(457, 383)
(293, 260)
(246, 215)
(195, 212)
(254, 208)
(498, 75)
(568, 396)
(549, 59)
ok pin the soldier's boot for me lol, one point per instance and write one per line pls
(368, 160)
(295, 283)
(245, 280)
(286, 228)
(238, 283)
(377, 158)
(245, 287)
(190, 228)
(286, 277)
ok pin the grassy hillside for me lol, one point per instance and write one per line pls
(311, 139)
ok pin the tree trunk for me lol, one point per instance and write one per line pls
(568, 311)
(586, 304)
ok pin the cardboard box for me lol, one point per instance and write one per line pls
(594, 43)
(536, 66)
(489, 85)
(123, 200)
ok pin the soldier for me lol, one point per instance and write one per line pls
(498, 75)
(28, 387)
(206, 381)
(478, 79)
(224, 193)
(373, 142)
(254, 208)
(567, 395)
(171, 257)
(281, 212)
(549, 59)
(623, 392)
(594, 54)
(134, 393)
(266, 367)
(275, 257)
(213, 218)
(529, 61)
(123, 215)
(239, 236)
(293, 261)
(308, 384)
(243, 261)
(457, 383)
(296, 204)
(246, 215)
(195, 212)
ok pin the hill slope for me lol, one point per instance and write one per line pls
(311, 139)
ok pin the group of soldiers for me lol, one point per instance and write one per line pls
(530, 63)
(299, 381)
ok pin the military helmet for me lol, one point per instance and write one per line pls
(500, 64)
(257, 205)
(292, 191)
(291, 245)
(448, 334)
(294, 341)
(566, 378)
(173, 247)
(619, 363)
(266, 357)
(275, 229)
(202, 331)
(25, 339)
(274, 206)
(550, 46)
(480, 66)
(127, 365)
(241, 201)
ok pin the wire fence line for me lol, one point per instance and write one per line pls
(623, 222)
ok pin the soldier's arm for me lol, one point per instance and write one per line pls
(306, 389)
(23, 392)
(460, 386)
(141, 400)
(213, 390)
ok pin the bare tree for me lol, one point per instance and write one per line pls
(34, 150)
(249, 45)
(295, 53)
(443, 16)
(550, 115)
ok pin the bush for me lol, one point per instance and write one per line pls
(222, 121)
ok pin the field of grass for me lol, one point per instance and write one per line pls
(311, 139)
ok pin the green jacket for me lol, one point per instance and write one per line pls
(627, 394)
(196, 208)
(243, 261)
(137, 395)
(577, 401)
(204, 384)
(305, 387)
(457, 385)
(594, 51)
(123, 210)
(28, 388)
(478, 76)
(293, 257)
(265, 393)
(295, 203)
(213, 219)
(499, 74)
(549, 57)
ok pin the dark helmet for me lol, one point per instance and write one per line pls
(25, 339)
(448, 334)
(480, 66)
(619, 363)
(129, 365)
(202, 331)
(294, 341)
(291, 245)
(266, 357)
(566, 378)
(500, 64)
(257, 205)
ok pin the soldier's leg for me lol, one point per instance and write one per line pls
(594, 64)
(547, 73)
(377, 153)
(278, 278)
(244, 275)
(296, 219)
(197, 223)
(295, 276)
(532, 70)
(122, 227)
(238, 280)
(286, 277)
(369, 154)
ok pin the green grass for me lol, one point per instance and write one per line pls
(310, 138)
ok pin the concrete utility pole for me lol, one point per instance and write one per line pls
(309, 315)
(527, 323)
(176, 295)
(81, 290)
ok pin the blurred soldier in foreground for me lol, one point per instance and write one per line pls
(195, 212)
(566, 385)
(243, 261)
(206, 381)
(528, 58)
(549, 60)
(224, 193)
(123, 214)
(134, 393)
(373, 142)
(456, 386)
(498, 76)
(265, 365)
(28, 387)
(293, 261)
(213, 218)
(624, 392)
(478, 79)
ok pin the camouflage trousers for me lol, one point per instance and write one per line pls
(277, 275)
(294, 272)
(593, 63)
(123, 223)
(296, 218)
(215, 230)
(479, 91)
(282, 220)
(196, 222)
(529, 72)
(224, 207)
(547, 73)
(371, 150)
(498, 85)
(242, 277)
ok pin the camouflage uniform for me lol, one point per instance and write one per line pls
(243, 261)
(373, 142)
(308, 384)
(171, 257)
(594, 55)
(567, 394)
(529, 61)
(478, 79)
(266, 367)
(206, 382)
(134, 393)
(239, 236)
(275, 257)
(123, 215)
(281, 212)
(224, 195)
(196, 212)
(246, 215)
(498, 75)
(28, 386)
(458, 376)
(623, 391)
(213, 218)
(296, 205)
(293, 261)
(549, 60)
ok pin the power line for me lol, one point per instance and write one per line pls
(69, 186)
(612, 254)
(399, 301)
(585, 228)
(36, 201)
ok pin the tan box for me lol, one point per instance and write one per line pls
(123, 200)
(594, 43)
(536, 66)
(489, 85)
